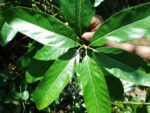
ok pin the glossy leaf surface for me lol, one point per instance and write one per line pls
(48, 32)
(123, 65)
(78, 14)
(6, 34)
(125, 25)
(49, 53)
(54, 81)
(95, 90)
(98, 2)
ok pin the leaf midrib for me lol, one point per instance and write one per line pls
(92, 85)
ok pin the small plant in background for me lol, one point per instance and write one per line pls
(65, 55)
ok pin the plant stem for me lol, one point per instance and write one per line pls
(134, 103)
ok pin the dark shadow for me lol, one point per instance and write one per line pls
(115, 87)
(37, 68)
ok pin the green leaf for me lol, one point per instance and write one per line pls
(95, 90)
(148, 109)
(123, 65)
(6, 34)
(98, 2)
(36, 69)
(78, 13)
(32, 79)
(49, 53)
(125, 25)
(26, 59)
(115, 87)
(41, 27)
(55, 80)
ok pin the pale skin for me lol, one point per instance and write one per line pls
(140, 50)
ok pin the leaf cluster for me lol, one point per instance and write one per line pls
(64, 53)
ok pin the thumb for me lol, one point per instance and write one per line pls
(87, 36)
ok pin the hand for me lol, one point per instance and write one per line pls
(94, 25)
(140, 50)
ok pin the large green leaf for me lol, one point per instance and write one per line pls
(6, 34)
(54, 80)
(94, 87)
(125, 25)
(41, 27)
(115, 87)
(98, 2)
(78, 13)
(49, 53)
(25, 60)
(123, 65)
(37, 68)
